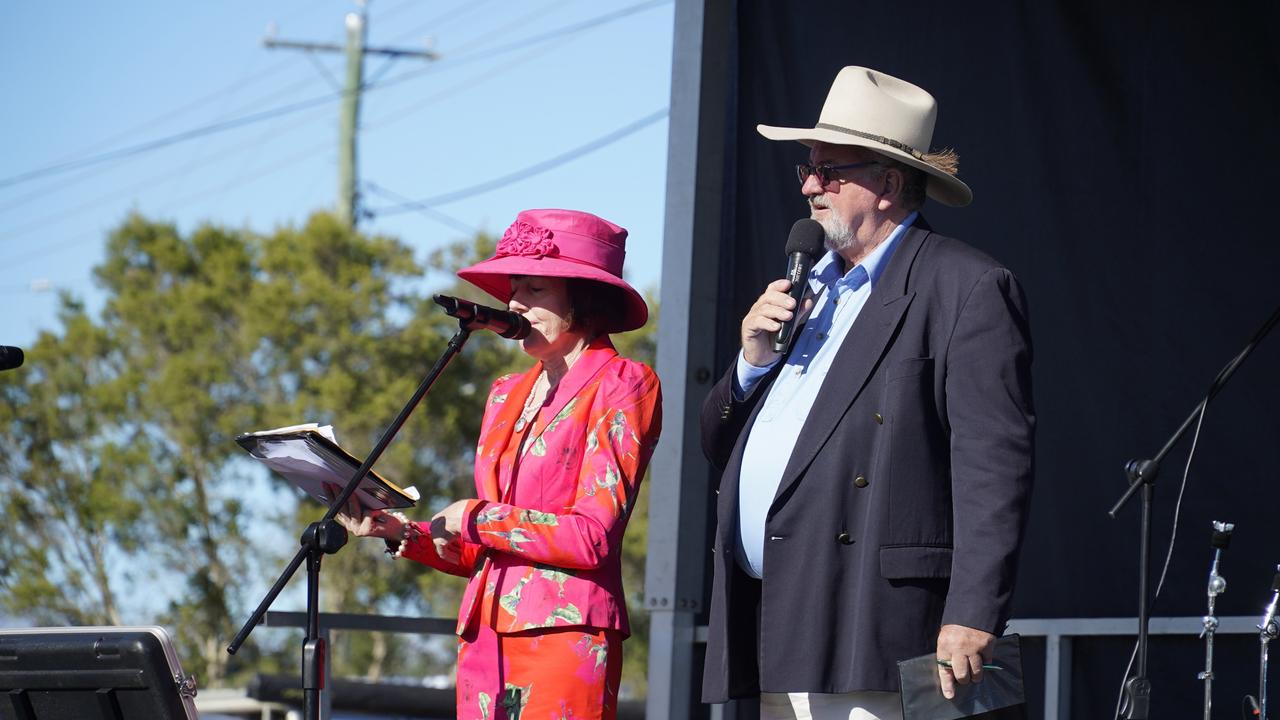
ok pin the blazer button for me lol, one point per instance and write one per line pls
(860, 481)
(844, 539)
(725, 412)
(878, 418)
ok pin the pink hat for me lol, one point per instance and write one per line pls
(566, 244)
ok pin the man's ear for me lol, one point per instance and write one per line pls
(891, 190)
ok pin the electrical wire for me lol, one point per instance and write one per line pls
(524, 173)
(44, 222)
(138, 149)
(453, 61)
(430, 213)
(168, 140)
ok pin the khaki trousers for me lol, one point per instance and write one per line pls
(820, 706)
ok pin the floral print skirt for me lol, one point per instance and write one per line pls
(544, 674)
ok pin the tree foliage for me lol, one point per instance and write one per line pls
(132, 502)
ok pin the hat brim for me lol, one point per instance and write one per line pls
(946, 189)
(494, 277)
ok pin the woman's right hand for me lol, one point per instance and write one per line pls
(375, 523)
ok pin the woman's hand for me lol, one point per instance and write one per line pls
(375, 523)
(446, 528)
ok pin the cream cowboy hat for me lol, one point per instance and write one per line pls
(891, 116)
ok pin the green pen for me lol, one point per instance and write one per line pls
(947, 664)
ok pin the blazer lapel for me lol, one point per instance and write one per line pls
(499, 433)
(594, 358)
(859, 355)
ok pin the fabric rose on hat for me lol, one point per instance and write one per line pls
(526, 240)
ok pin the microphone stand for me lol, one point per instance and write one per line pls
(1267, 631)
(326, 536)
(1217, 585)
(1142, 475)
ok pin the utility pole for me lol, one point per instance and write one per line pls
(349, 122)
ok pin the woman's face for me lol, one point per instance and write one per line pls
(544, 302)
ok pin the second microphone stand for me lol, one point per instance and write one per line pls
(1142, 476)
(1267, 631)
(1217, 585)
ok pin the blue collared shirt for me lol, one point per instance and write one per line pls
(838, 302)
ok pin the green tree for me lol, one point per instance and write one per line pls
(121, 467)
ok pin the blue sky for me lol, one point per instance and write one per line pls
(518, 84)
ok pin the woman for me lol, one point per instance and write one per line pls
(562, 449)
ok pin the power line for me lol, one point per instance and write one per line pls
(536, 169)
(145, 147)
(429, 213)
(169, 140)
(399, 115)
(565, 31)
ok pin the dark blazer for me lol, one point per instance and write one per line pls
(903, 504)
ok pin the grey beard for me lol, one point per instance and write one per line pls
(838, 233)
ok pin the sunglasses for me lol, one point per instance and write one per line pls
(827, 173)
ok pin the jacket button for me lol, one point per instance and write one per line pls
(860, 481)
(725, 412)
(879, 418)
(844, 539)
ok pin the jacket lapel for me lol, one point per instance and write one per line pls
(593, 359)
(498, 435)
(859, 355)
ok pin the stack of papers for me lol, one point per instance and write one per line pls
(309, 456)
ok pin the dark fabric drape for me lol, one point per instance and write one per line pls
(1121, 156)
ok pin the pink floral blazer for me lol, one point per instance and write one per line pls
(542, 544)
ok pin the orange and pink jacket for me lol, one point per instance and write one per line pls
(542, 543)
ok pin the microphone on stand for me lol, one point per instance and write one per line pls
(508, 324)
(804, 245)
(10, 357)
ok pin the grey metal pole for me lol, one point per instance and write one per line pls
(680, 494)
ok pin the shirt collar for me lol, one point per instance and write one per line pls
(827, 270)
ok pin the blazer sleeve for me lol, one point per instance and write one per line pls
(422, 549)
(722, 417)
(623, 429)
(992, 421)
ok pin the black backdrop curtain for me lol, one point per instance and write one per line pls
(1121, 156)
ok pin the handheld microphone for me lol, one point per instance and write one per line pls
(10, 357)
(804, 245)
(480, 317)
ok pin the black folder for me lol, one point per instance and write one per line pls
(999, 695)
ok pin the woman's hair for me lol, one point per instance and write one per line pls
(593, 305)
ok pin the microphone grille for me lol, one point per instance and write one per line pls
(806, 237)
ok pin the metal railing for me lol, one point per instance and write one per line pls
(1060, 634)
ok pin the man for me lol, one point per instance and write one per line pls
(876, 476)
